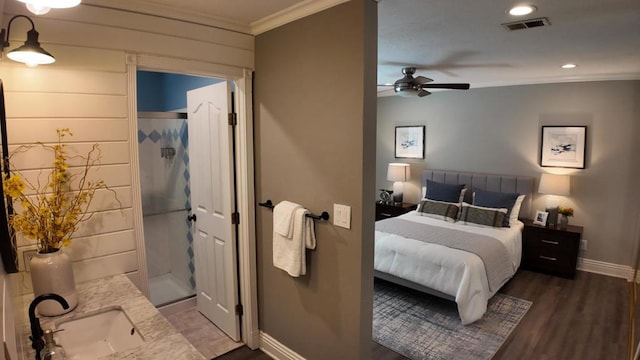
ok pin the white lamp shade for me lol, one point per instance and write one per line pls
(53, 4)
(554, 184)
(398, 172)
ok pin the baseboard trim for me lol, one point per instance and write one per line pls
(605, 268)
(276, 349)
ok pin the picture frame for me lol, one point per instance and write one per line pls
(563, 146)
(409, 142)
(541, 218)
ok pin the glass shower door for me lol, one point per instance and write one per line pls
(164, 176)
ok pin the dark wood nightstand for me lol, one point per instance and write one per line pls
(385, 211)
(551, 249)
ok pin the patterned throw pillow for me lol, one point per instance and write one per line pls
(439, 210)
(478, 215)
(497, 200)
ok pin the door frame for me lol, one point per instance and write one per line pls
(247, 264)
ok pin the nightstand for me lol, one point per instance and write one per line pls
(385, 211)
(551, 249)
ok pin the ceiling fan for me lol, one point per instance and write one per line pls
(410, 86)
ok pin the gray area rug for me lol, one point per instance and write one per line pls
(424, 327)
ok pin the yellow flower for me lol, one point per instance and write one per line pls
(566, 211)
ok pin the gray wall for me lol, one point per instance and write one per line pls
(315, 145)
(497, 130)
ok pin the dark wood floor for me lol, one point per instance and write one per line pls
(584, 318)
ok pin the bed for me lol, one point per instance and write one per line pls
(464, 260)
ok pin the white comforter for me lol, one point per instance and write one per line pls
(451, 271)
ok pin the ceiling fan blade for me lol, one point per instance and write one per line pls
(459, 86)
(421, 80)
(423, 93)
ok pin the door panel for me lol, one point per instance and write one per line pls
(211, 180)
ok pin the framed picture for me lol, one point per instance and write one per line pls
(541, 218)
(410, 142)
(563, 146)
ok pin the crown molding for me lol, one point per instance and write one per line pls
(292, 13)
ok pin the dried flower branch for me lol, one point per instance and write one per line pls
(52, 212)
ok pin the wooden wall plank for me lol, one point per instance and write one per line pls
(20, 78)
(86, 270)
(100, 223)
(30, 130)
(104, 200)
(38, 157)
(101, 245)
(112, 175)
(56, 105)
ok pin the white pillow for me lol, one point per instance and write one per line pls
(515, 210)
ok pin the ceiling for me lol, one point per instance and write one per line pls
(456, 41)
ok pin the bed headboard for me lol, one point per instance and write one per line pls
(489, 182)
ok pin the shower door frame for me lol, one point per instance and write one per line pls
(247, 264)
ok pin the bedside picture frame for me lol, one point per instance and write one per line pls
(541, 218)
(563, 146)
(409, 142)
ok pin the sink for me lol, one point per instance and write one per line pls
(97, 333)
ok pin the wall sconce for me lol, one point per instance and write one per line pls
(554, 185)
(31, 53)
(398, 173)
(41, 7)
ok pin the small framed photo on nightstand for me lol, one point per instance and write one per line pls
(541, 218)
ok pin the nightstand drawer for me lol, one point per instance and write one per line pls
(550, 249)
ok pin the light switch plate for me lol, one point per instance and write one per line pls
(342, 216)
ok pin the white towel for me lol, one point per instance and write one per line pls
(283, 218)
(289, 253)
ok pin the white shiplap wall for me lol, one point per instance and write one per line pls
(87, 91)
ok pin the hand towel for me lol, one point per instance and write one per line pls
(289, 253)
(283, 218)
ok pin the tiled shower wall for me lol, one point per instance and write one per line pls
(166, 197)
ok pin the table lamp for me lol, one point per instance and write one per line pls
(398, 173)
(554, 186)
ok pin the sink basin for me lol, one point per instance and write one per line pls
(98, 333)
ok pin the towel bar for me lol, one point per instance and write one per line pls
(324, 216)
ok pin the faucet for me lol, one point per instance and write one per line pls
(36, 331)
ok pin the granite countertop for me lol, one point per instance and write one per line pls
(161, 339)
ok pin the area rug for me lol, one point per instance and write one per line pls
(424, 327)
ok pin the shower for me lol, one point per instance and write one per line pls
(164, 173)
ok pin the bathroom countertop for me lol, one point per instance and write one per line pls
(161, 339)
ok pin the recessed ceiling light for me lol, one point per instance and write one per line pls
(569, 66)
(522, 10)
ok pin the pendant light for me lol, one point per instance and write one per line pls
(41, 7)
(31, 53)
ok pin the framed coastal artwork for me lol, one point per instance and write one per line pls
(409, 142)
(563, 146)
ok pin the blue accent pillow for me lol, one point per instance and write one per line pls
(444, 192)
(497, 200)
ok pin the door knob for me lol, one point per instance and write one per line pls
(192, 217)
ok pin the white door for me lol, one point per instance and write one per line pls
(211, 168)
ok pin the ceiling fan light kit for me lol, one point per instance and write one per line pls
(410, 86)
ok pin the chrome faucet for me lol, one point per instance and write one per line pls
(36, 331)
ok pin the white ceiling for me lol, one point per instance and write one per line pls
(456, 41)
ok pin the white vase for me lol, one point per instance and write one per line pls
(52, 273)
